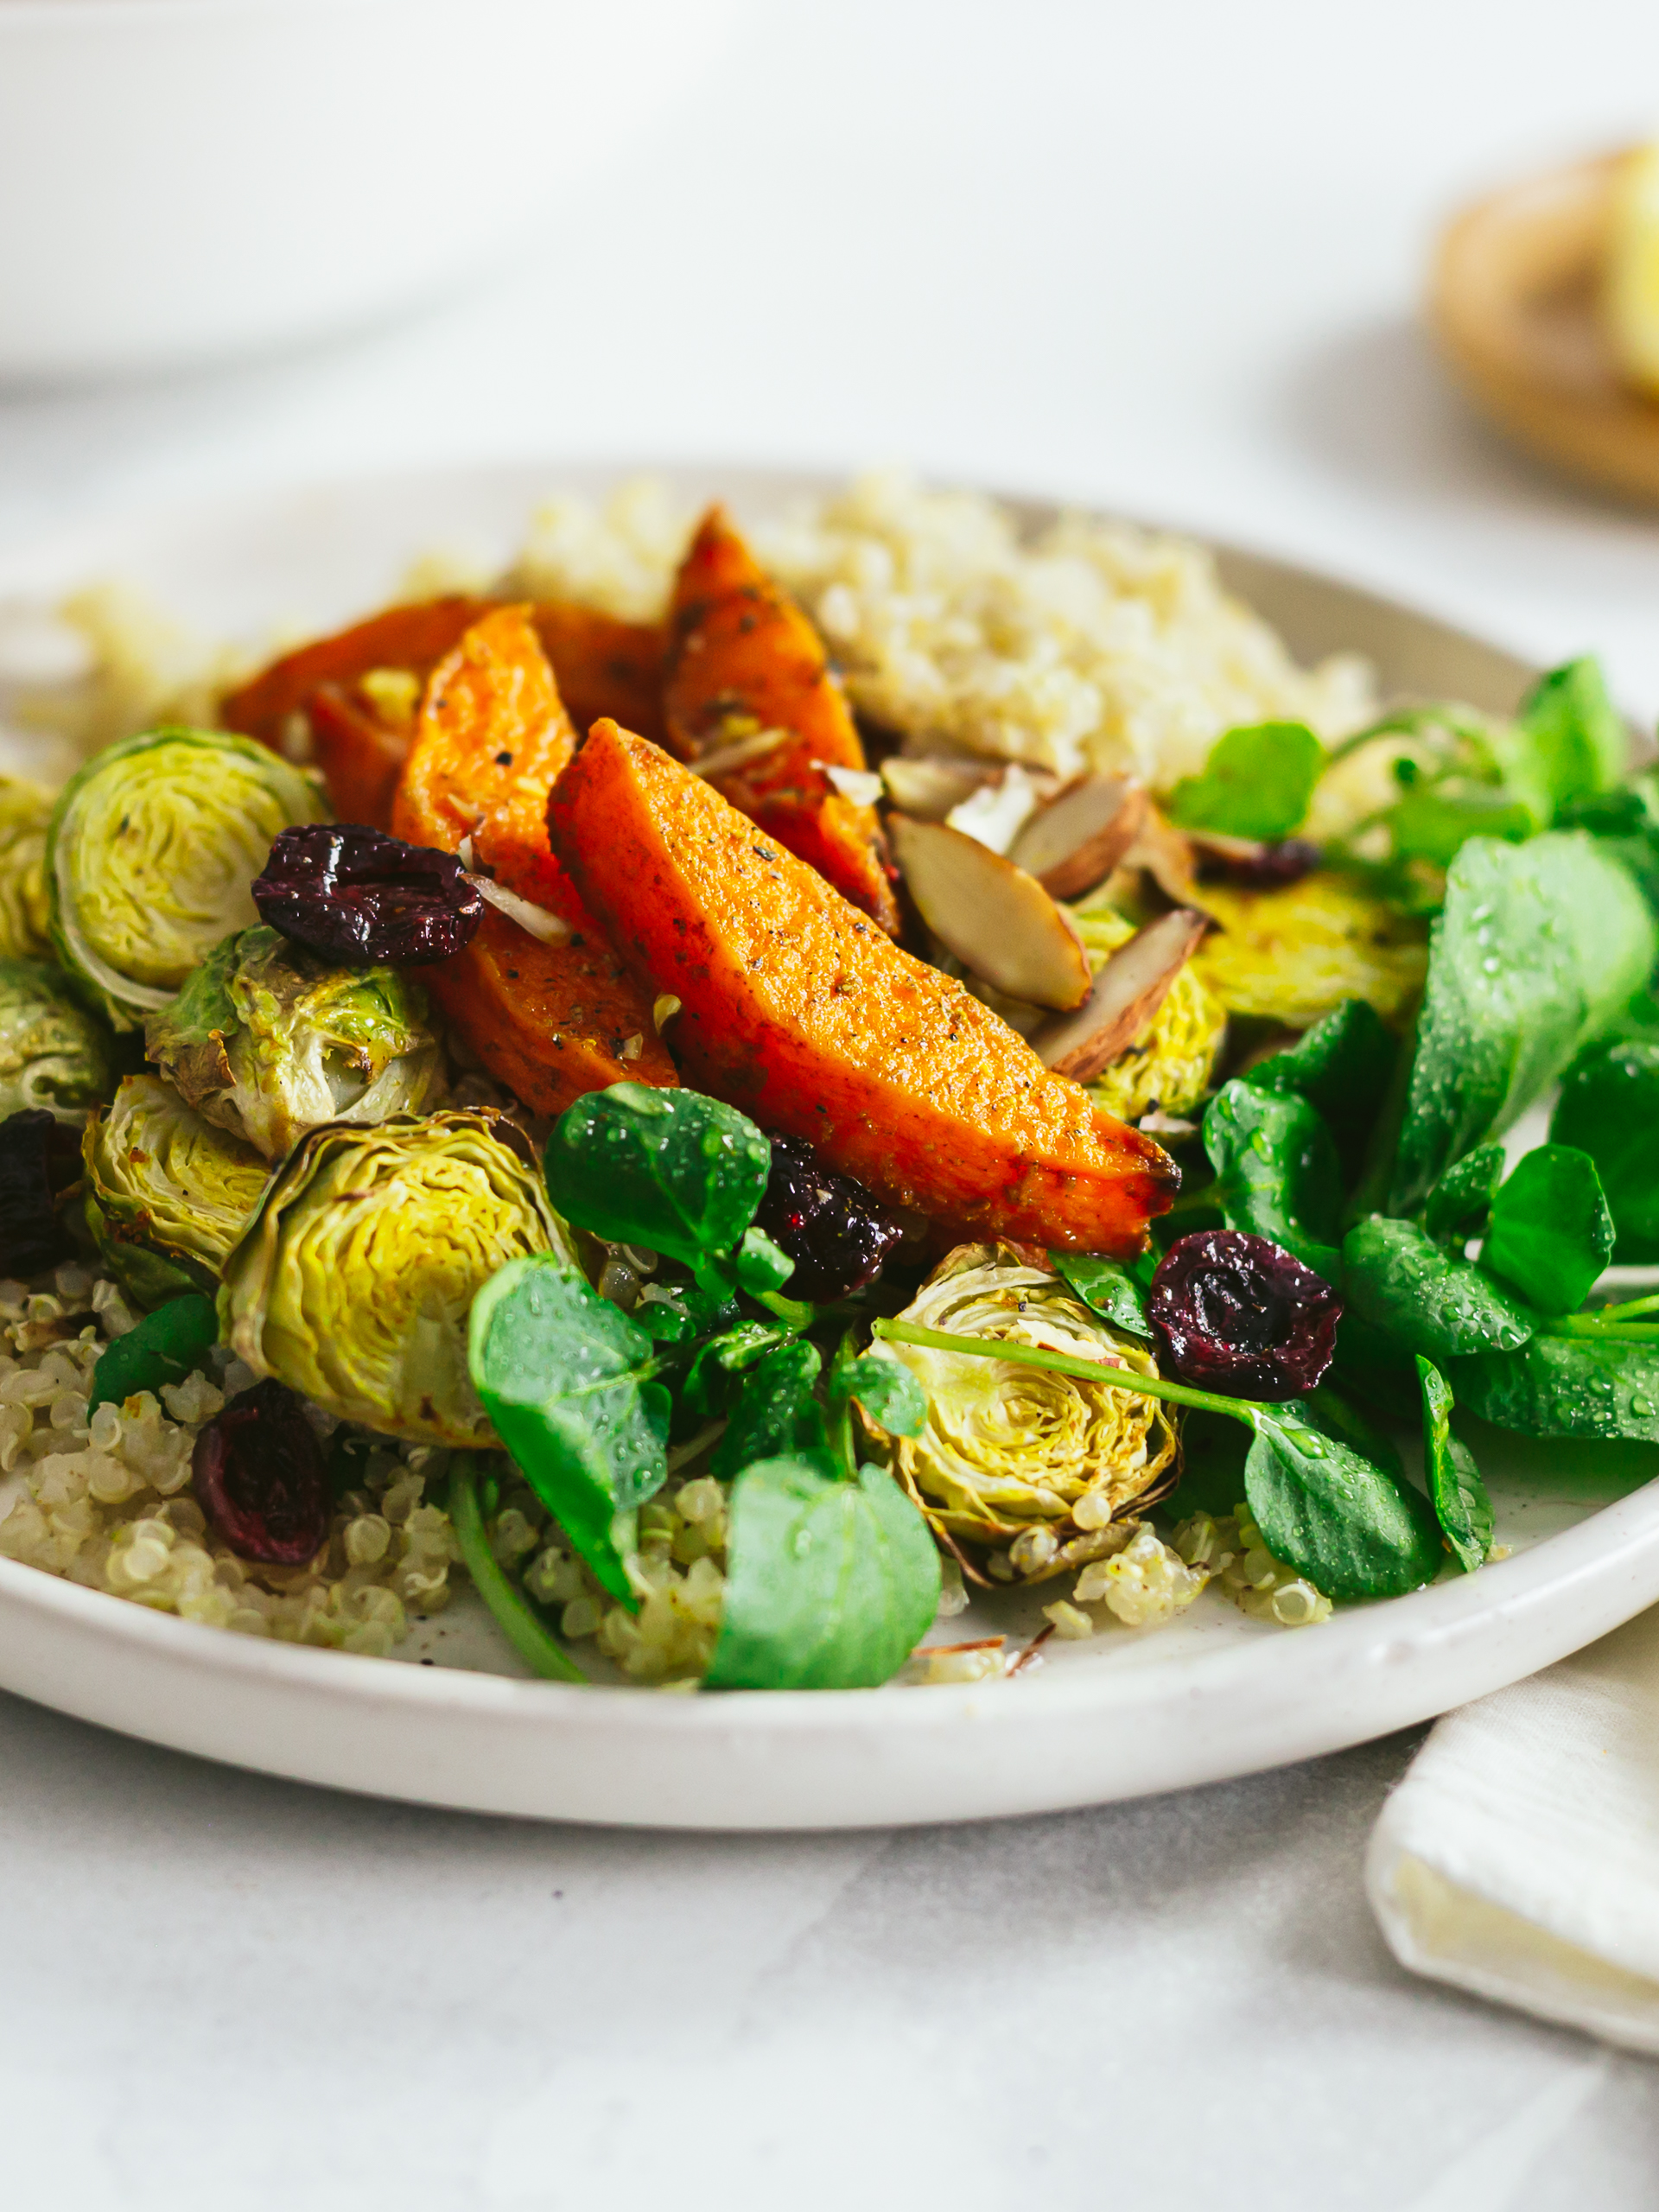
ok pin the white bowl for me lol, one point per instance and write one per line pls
(1211, 1695)
(182, 180)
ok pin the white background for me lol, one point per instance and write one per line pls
(1162, 257)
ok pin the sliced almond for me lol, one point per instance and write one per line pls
(862, 785)
(997, 920)
(1165, 853)
(739, 752)
(552, 929)
(1241, 851)
(1074, 844)
(1127, 994)
(927, 789)
(997, 812)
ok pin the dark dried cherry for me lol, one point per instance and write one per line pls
(1240, 1315)
(357, 895)
(1271, 866)
(836, 1231)
(259, 1476)
(40, 1158)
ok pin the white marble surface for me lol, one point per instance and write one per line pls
(1165, 258)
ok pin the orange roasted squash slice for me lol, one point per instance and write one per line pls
(549, 1021)
(358, 737)
(744, 665)
(360, 719)
(796, 1008)
(606, 666)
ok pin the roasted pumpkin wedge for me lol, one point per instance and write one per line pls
(548, 1020)
(796, 1008)
(413, 639)
(752, 702)
(348, 688)
(605, 667)
(360, 751)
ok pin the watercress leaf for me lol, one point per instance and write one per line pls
(1339, 1418)
(776, 1415)
(716, 1372)
(830, 1585)
(166, 1346)
(888, 1392)
(1276, 1173)
(1213, 1452)
(1256, 783)
(1609, 1107)
(1564, 1386)
(566, 1378)
(670, 1169)
(1398, 1280)
(1550, 1234)
(1629, 809)
(1109, 1288)
(1353, 1530)
(1574, 732)
(1432, 822)
(1461, 1505)
(1457, 1207)
(761, 1265)
(1625, 825)
(1341, 1066)
(1537, 949)
(1371, 1367)
(679, 1312)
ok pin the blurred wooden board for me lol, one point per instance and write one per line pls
(1514, 304)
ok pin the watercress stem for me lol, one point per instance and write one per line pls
(1060, 1363)
(1627, 1311)
(789, 1311)
(1617, 1332)
(533, 1642)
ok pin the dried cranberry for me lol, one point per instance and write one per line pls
(1239, 1314)
(357, 895)
(40, 1157)
(258, 1474)
(832, 1227)
(1274, 866)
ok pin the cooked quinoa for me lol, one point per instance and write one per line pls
(104, 1500)
(1229, 1551)
(1092, 646)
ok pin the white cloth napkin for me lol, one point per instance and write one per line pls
(1519, 1858)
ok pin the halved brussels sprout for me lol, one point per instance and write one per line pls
(1034, 1465)
(1169, 1065)
(269, 1040)
(151, 853)
(167, 1194)
(53, 1053)
(354, 1282)
(25, 910)
(1292, 954)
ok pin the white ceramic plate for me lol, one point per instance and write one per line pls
(1212, 1695)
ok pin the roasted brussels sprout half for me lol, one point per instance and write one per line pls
(25, 910)
(1035, 1466)
(1290, 955)
(353, 1284)
(269, 1040)
(149, 856)
(167, 1194)
(53, 1053)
